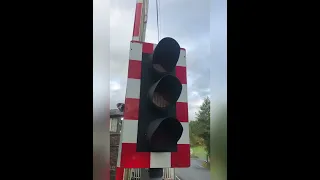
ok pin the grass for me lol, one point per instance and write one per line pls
(199, 152)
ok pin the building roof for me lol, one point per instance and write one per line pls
(115, 113)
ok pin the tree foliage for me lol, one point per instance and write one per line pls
(200, 128)
(195, 140)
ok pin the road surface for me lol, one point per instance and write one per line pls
(195, 172)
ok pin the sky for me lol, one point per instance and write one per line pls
(198, 27)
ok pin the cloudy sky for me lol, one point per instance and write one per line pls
(187, 21)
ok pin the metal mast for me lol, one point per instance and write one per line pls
(140, 20)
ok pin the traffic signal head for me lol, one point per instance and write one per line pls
(163, 134)
(156, 107)
(160, 89)
(166, 56)
(165, 92)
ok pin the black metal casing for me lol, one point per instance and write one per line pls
(158, 130)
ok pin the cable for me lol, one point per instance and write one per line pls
(157, 8)
(160, 25)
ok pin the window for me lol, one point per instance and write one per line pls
(113, 124)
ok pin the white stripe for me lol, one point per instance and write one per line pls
(182, 59)
(160, 159)
(185, 134)
(135, 38)
(119, 154)
(135, 51)
(129, 131)
(139, 1)
(133, 88)
(184, 94)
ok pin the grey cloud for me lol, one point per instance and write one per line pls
(185, 18)
(123, 4)
(119, 63)
(198, 72)
(118, 96)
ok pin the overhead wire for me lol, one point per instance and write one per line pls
(158, 15)
(160, 25)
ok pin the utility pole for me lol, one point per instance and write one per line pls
(140, 21)
(144, 19)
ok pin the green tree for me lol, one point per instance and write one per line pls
(202, 127)
(195, 140)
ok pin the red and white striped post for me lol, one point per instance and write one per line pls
(139, 31)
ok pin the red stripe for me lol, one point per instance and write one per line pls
(132, 159)
(181, 158)
(182, 111)
(134, 70)
(183, 49)
(181, 73)
(133, 41)
(119, 173)
(147, 48)
(131, 111)
(136, 26)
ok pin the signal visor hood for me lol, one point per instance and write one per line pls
(166, 55)
(163, 134)
(165, 92)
